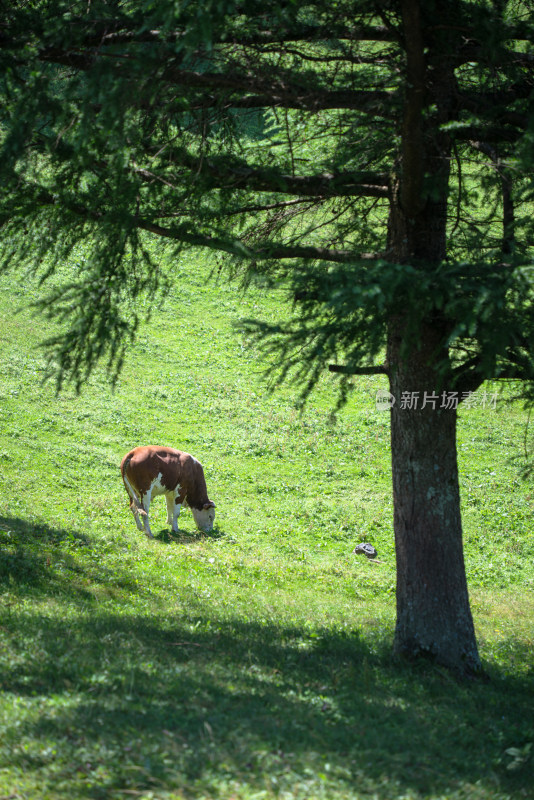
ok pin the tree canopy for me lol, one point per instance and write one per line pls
(373, 158)
(273, 137)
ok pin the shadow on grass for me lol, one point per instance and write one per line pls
(38, 560)
(25, 556)
(182, 536)
(204, 704)
(136, 704)
(45, 534)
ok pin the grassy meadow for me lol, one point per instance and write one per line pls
(253, 662)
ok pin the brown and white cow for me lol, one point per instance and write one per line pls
(150, 471)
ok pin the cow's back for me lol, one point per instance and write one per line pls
(143, 465)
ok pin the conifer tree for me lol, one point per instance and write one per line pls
(374, 157)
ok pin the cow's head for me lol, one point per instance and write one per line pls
(204, 516)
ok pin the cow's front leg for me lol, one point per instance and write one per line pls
(170, 508)
(173, 510)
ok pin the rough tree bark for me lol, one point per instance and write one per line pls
(433, 612)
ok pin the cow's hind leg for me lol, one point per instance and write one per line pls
(137, 507)
(140, 510)
(143, 511)
(135, 512)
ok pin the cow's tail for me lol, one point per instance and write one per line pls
(125, 463)
(136, 500)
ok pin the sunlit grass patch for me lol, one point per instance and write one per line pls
(254, 662)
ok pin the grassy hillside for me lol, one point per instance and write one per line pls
(253, 662)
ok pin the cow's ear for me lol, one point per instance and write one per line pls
(209, 504)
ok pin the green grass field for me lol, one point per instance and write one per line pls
(254, 662)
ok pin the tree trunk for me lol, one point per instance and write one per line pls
(433, 613)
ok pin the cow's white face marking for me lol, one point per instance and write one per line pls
(204, 518)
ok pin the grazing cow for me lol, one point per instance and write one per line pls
(150, 471)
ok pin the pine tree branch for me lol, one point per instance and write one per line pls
(375, 103)
(267, 251)
(222, 173)
(467, 377)
(277, 90)
(488, 133)
(488, 102)
(259, 93)
(379, 369)
(319, 33)
(238, 174)
(86, 33)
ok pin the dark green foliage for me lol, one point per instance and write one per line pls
(343, 312)
(269, 137)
